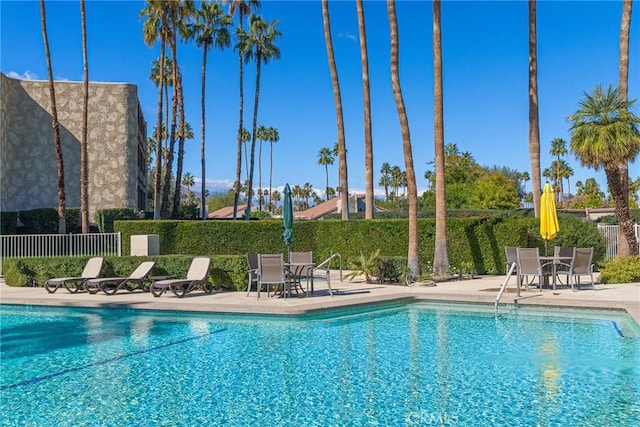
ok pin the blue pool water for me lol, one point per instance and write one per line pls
(414, 364)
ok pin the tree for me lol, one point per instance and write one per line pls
(272, 136)
(413, 261)
(243, 8)
(167, 82)
(558, 149)
(62, 225)
(181, 13)
(368, 140)
(325, 158)
(385, 179)
(188, 181)
(604, 133)
(154, 28)
(258, 44)
(210, 31)
(441, 254)
(84, 173)
(534, 125)
(623, 92)
(261, 135)
(342, 149)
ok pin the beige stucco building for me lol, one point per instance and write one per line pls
(117, 150)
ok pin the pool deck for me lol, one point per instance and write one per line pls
(483, 290)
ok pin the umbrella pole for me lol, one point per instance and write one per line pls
(546, 244)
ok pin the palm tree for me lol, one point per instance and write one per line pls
(62, 225)
(261, 135)
(368, 140)
(243, 8)
(246, 137)
(534, 125)
(441, 254)
(604, 133)
(182, 13)
(396, 180)
(258, 44)
(272, 136)
(623, 85)
(385, 179)
(84, 173)
(558, 149)
(167, 81)
(325, 158)
(413, 260)
(342, 150)
(154, 28)
(188, 181)
(209, 30)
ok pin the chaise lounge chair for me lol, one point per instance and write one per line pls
(196, 278)
(111, 285)
(92, 269)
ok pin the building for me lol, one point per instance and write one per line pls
(117, 145)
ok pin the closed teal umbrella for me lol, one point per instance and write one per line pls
(287, 217)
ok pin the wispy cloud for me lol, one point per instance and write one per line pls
(27, 75)
(348, 36)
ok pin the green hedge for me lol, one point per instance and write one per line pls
(473, 243)
(228, 272)
(8, 223)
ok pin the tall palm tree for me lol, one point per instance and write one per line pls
(154, 28)
(604, 133)
(258, 44)
(184, 12)
(260, 136)
(188, 181)
(623, 85)
(84, 172)
(342, 149)
(534, 124)
(246, 137)
(62, 225)
(242, 8)
(210, 31)
(273, 137)
(413, 260)
(368, 140)
(441, 254)
(558, 149)
(325, 158)
(385, 179)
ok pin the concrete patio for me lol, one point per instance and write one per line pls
(482, 290)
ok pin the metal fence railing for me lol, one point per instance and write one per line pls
(52, 245)
(610, 233)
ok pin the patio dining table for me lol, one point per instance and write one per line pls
(555, 261)
(297, 273)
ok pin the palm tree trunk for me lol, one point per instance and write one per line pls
(178, 192)
(84, 178)
(62, 226)
(441, 254)
(270, 172)
(253, 134)
(203, 205)
(157, 183)
(412, 196)
(624, 245)
(164, 211)
(534, 125)
(236, 193)
(342, 155)
(368, 140)
(621, 200)
(260, 177)
(326, 169)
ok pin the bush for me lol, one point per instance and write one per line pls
(621, 270)
(8, 223)
(106, 217)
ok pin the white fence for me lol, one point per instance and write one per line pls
(52, 245)
(610, 233)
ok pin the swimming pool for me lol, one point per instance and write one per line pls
(414, 364)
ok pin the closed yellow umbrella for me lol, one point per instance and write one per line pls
(548, 216)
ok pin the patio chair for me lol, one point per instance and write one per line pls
(196, 279)
(581, 265)
(271, 271)
(562, 268)
(91, 270)
(304, 270)
(529, 265)
(111, 285)
(252, 262)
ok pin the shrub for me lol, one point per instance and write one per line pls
(106, 217)
(621, 270)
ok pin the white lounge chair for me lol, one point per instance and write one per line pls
(91, 270)
(111, 285)
(196, 279)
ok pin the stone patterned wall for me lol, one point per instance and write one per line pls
(29, 169)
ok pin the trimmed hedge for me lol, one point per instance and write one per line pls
(228, 272)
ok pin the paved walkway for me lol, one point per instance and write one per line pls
(347, 293)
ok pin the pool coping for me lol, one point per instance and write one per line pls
(481, 290)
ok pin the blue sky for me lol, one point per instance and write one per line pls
(485, 52)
